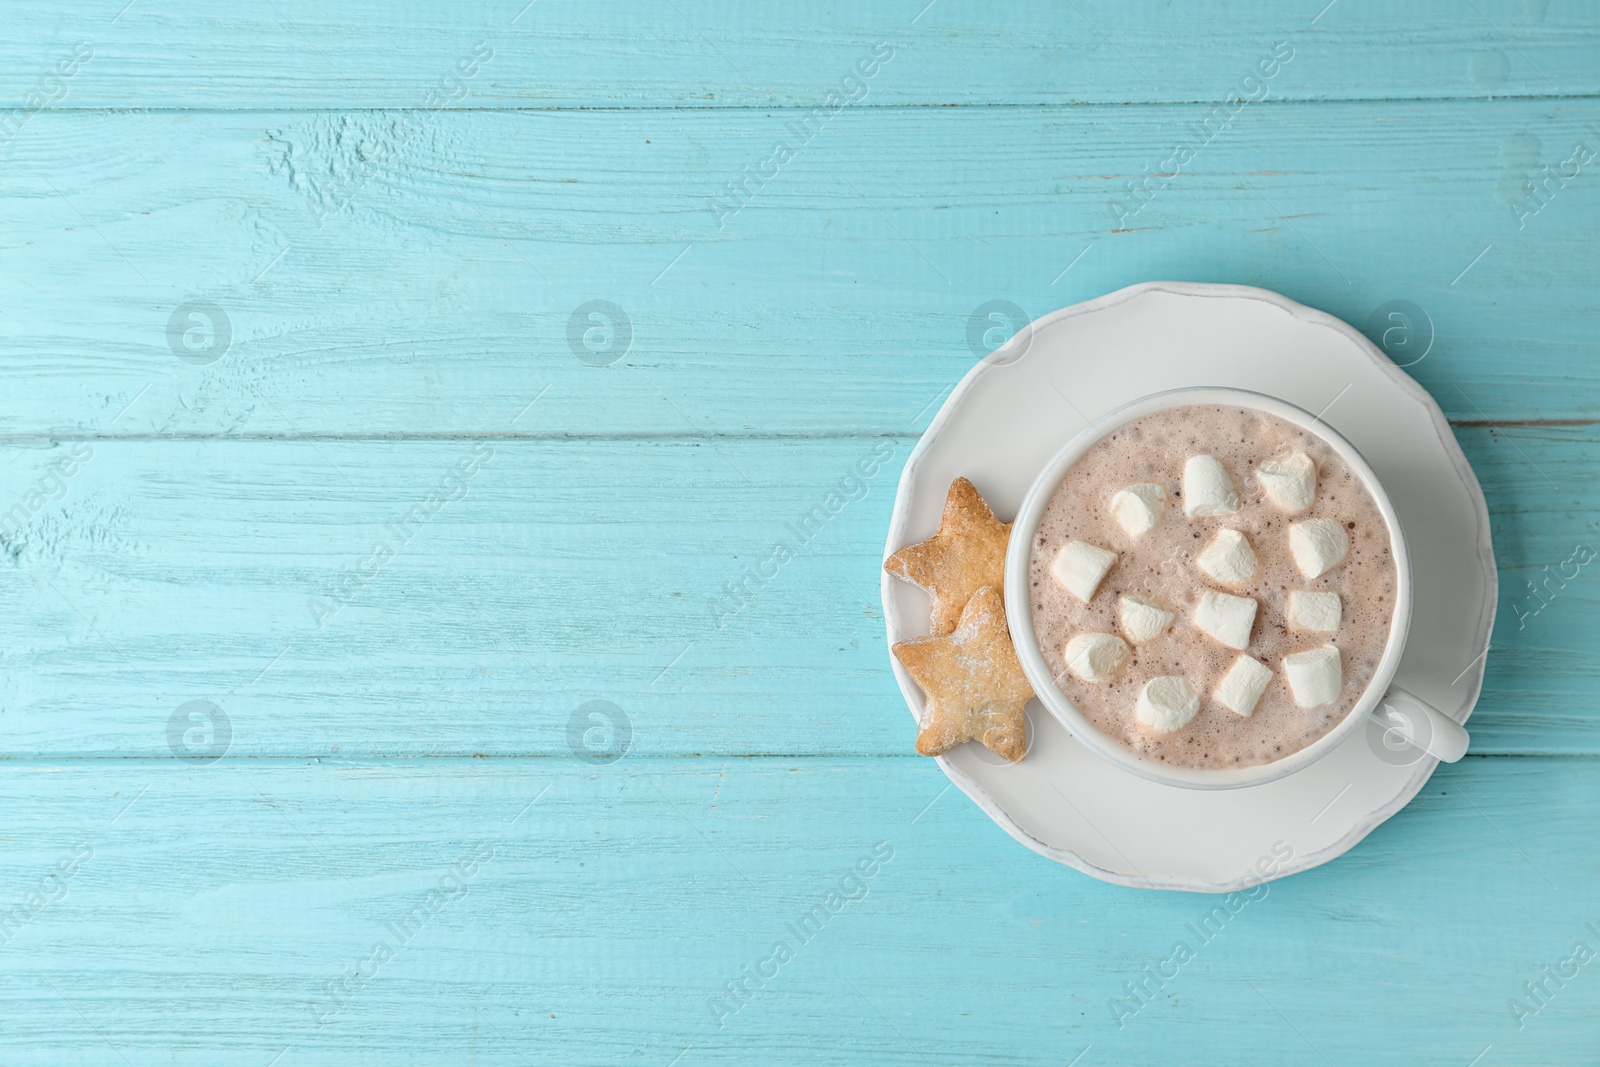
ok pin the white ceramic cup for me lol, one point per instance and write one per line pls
(1403, 722)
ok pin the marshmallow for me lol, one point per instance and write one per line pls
(1144, 619)
(1314, 677)
(1318, 612)
(1228, 559)
(1207, 489)
(1243, 685)
(1167, 704)
(1096, 657)
(1226, 618)
(1290, 482)
(1319, 545)
(1138, 508)
(1079, 566)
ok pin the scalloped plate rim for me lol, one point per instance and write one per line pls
(999, 361)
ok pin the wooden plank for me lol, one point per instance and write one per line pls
(597, 915)
(1547, 544)
(292, 584)
(301, 54)
(448, 289)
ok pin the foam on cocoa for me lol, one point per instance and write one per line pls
(1161, 564)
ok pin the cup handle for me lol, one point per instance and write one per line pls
(1406, 718)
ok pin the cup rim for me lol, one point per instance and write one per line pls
(1019, 606)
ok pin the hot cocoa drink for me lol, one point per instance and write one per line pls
(1212, 586)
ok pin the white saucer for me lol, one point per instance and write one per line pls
(1014, 410)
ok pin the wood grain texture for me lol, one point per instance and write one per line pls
(398, 227)
(438, 294)
(256, 573)
(215, 911)
(694, 53)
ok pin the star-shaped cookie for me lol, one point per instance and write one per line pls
(967, 553)
(974, 685)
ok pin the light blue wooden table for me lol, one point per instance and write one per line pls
(319, 458)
